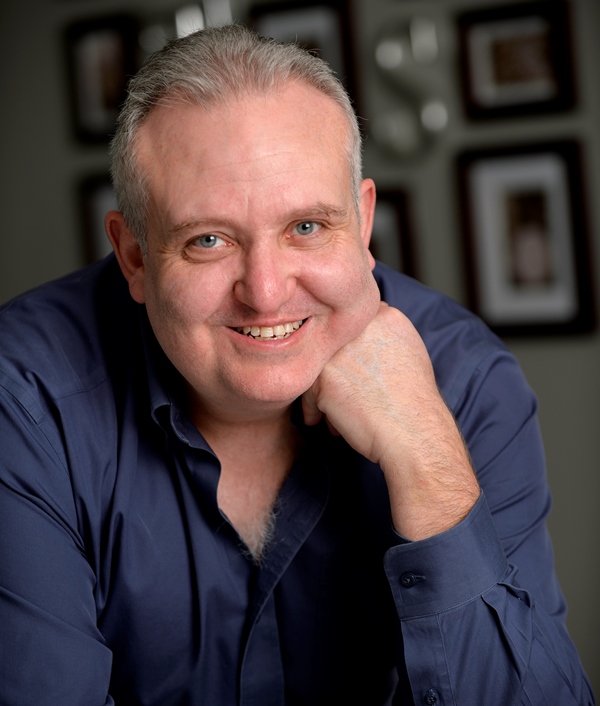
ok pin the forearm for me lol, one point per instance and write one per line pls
(471, 634)
(429, 476)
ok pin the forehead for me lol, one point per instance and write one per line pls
(283, 146)
(297, 116)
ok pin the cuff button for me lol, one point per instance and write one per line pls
(408, 579)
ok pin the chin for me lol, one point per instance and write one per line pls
(274, 390)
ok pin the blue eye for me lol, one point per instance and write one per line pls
(208, 241)
(307, 228)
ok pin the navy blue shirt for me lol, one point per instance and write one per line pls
(122, 583)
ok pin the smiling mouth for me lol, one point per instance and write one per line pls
(270, 333)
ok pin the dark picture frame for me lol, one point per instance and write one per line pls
(526, 238)
(102, 54)
(324, 28)
(516, 60)
(96, 198)
(392, 239)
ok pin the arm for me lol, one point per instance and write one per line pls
(50, 649)
(379, 392)
(473, 632)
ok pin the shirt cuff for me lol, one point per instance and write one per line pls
(442, 572)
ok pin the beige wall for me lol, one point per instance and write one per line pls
(40, 237)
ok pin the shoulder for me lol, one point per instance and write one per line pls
(58, 337)
(460, 345)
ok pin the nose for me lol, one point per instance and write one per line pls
(267, 280)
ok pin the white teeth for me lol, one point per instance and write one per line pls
(270, 333)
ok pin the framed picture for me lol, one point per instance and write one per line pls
(516, 59)
(101, 56)
(392, 239)
(526, 237)
(321, 27)
(96, 198)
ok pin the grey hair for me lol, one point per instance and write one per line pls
(205, 68)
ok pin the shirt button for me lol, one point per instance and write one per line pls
(431, 697)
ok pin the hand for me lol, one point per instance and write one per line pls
(379, 393)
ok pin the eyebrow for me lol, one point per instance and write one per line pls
(193, 223)
(318, 210)
(322, 210)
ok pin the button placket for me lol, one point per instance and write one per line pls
(431, 697)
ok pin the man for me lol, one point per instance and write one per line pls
(240, 484)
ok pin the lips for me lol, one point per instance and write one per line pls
(270, 333)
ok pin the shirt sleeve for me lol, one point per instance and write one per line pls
(481, 610)
(51, 651)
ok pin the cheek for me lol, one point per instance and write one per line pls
(365, 299)
(164, 301)
(179, 302)
(187, 291)
(352, 293)
(353, 282)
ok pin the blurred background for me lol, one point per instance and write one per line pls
(482, 127)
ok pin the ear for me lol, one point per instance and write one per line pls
(367, 213)
(128, 252)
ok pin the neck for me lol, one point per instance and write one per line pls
(256, 455)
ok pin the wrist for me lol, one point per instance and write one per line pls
(432, 486)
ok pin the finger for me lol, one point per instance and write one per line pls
(332, 429)
(312, 414)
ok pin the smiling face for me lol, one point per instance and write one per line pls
(257, 268)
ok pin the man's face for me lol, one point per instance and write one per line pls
(257, 268)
